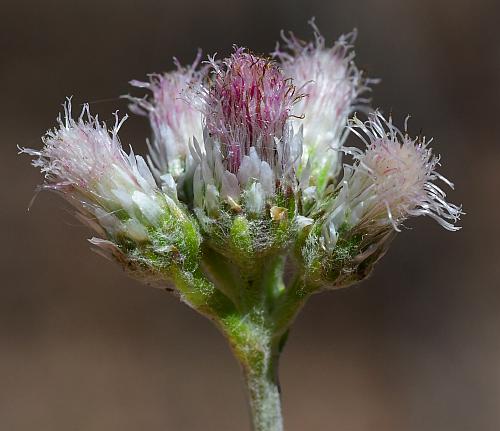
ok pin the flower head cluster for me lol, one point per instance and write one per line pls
(245, 181)
(246, 162)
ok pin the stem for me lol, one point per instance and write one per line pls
(261, 378)
(257, 329)
(289, 305)
(257, 349)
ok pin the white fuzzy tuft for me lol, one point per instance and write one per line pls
(85, 162)
(391, 180)
(332, 85)
(174, 121)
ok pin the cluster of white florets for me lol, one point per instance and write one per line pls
(332, 86)
(253, 146)
(395, 174)
(85, 162)
(173, 120)
(390, 180)
(113, 192)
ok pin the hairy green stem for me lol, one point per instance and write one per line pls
(257, 352)
(264, 393)
(289, 304)
(256, 326)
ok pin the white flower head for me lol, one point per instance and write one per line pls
(114, 192)
(332, 85)
(391, 180)
(174, 121)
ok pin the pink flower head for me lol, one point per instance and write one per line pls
(248, 105)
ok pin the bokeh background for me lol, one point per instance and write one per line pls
(415, 347)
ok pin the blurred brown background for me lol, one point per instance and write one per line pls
(416, 347)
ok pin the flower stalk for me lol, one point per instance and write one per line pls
(258, 331)
(257, 342)
(262, 381)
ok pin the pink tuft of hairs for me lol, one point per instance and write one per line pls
(248, 105)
